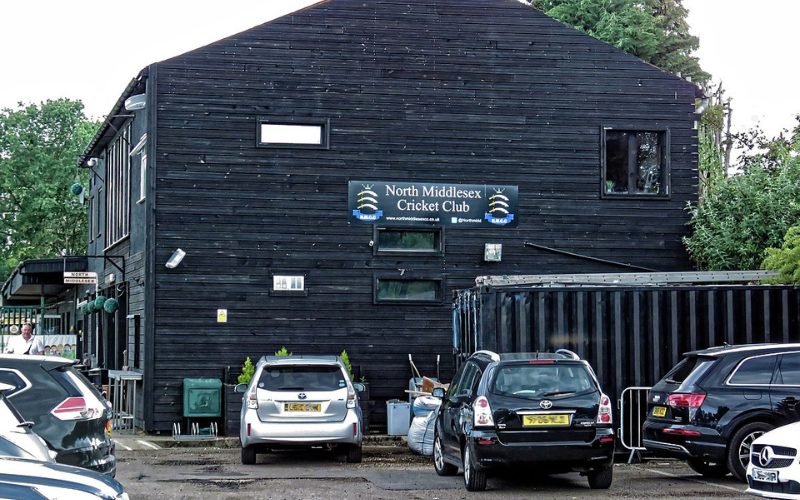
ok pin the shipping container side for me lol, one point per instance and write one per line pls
(630, 336)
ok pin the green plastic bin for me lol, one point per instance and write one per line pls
(202, 397)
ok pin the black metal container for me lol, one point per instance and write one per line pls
(631, 335)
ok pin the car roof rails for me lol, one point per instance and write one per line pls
(568, 354)
(490, 354)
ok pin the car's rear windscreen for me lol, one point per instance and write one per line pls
(302, 378)
(542, 380)
(690, 367)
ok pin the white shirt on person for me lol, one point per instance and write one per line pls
(18, 345)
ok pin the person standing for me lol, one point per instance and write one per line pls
(26, 342)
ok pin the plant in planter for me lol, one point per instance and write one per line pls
(247, 372)
(363, 395)
(346, 360)
(282, 352)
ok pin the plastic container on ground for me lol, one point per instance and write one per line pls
(398, 417)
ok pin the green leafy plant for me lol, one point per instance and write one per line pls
(247, 371)
(786, 259)
(346, 360)
(741, 216)
(282, 352)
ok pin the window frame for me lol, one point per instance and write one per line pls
(118, 187)
(323, 123)
(288, 293)
(780, 370)
(438, 241)
(666, 170)
(394, 277)
(728, 380)
(142, 178)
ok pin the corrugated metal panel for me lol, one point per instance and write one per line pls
(631, 335)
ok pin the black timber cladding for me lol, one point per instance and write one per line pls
(469, 92)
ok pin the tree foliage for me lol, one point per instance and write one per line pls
(39, 148)
(786, 259)
(653, 30)
(741, 216)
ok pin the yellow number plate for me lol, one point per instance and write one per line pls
(659, 411)
(536, 420)
(302, 407)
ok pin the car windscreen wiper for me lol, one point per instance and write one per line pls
(290, 388)
(556, 393)
(672, 381)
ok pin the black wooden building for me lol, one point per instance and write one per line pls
(330, 177)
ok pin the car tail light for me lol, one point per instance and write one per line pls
(73, 408)
(692, 402)
(686, 400)
(482, 413)
(680, 432)
(252, 399)
(351, 398)
(604, 415)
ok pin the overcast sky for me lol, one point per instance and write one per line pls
(90, 49)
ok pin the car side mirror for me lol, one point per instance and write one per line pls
(438, 392)
(240, 388)
(359, 387)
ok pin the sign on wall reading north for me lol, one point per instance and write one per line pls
(443, 204)
(80, 277)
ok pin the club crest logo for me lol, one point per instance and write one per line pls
(367, 205)
(498, 213)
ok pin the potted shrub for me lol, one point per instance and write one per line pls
(233, 400)
(363, 395)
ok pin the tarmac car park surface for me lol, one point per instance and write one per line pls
(148, 469)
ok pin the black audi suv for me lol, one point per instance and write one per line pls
(712, 405)
(542, 409)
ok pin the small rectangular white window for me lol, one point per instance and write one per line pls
(293, 133)
(283, 283)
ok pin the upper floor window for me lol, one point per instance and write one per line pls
(635, 162)
(408, 290)
(422, 241)
(293, 133)
(118, 187)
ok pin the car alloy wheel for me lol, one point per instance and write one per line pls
(442, 468)
(474, 479)
(740, 444)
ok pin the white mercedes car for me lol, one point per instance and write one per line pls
(774, 470)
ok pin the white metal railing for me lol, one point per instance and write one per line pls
(633, 412)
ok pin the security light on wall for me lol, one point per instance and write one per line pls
(135, 102)
(176, 258)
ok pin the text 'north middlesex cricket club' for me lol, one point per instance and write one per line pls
(454, 205)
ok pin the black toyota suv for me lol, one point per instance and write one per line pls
(542, 409)
(66, 410)
(711, 406)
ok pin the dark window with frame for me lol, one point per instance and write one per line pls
(421, 241)
(408, 290)
(91, 218)
(754, 371)
(118, 187)
(789, 372)
(467, 381)
(635, 162)
(303, 133)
